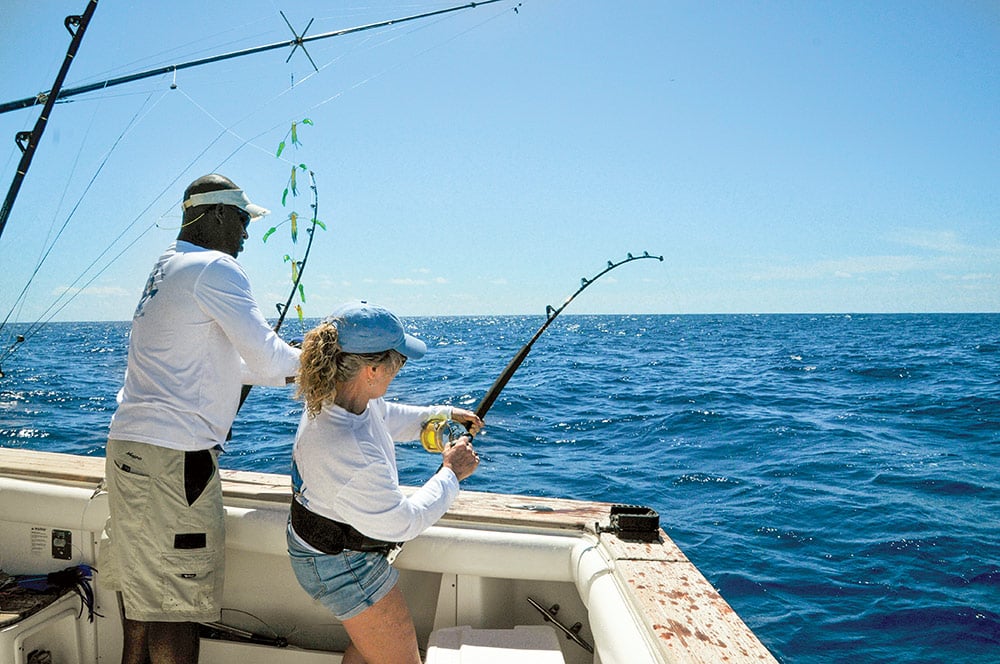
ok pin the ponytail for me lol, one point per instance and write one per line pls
(318, 367)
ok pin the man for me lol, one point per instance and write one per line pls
(197, 336)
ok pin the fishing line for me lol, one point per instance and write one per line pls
(245, 142)
(65, 192)
(226, 129)
(250, 141)
(400, 64)
(161, 58)
(127, 228)
(21, 297)
(36, 327)
(407, 31)
(69, 294)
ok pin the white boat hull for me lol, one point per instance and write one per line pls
(636, 602)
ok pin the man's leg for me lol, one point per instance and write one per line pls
(135, 641)
(170, 524)
(173, 642)
(160, 642)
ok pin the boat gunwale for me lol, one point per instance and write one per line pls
(687, 618)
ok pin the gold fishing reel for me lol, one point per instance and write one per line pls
(437, 432)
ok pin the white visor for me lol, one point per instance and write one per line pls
(234, 197)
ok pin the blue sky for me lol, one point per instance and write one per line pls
(782, 156)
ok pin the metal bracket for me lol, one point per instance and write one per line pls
(572, 633)
(298, 40)
(72, 21)
(223, 632)
(22, 139)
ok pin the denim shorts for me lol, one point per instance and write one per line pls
(347, 583)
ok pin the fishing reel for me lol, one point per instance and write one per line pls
(437, 432)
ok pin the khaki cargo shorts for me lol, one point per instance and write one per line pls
(164, 542)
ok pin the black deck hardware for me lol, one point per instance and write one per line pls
(634, 523)
(572, 633)
(221, 632)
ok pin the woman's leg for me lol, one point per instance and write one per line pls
(384, 634)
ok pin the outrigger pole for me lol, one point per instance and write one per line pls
(28, 141)
(294, 43)
(57, 93)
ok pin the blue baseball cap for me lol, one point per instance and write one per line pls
(369, 328)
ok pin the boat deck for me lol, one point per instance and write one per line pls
(690, 620)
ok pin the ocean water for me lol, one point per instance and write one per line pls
(836, 477)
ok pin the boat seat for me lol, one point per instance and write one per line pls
(525, 644)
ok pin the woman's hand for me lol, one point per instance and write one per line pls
(468, 419)
(460, 457)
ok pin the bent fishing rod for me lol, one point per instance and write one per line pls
(436, 433)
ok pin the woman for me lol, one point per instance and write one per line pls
(348, 509)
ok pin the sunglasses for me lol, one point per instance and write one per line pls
(243, 214)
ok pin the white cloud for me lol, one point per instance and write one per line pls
(945, 242)
(844, 268)
(409, 281)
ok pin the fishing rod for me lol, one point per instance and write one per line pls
(300, 40)
(300, 268)
(300, 265)
(439, 431)
(27, 141)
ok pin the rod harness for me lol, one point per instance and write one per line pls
(28, 141)
(436, 433)
(299, 41)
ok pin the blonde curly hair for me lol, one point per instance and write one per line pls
(323, 364)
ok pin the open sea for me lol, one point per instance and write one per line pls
(836, 477)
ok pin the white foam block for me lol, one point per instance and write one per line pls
(525, 644)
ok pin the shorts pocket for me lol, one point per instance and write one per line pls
(306, 572)
(367, 568)
(199, 467)
(189, 581)
(130, 496)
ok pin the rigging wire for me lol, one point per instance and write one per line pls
(30, 101)
(71, 292)
(43, 254)
(161, 59)
(46, 251)
(39, 323)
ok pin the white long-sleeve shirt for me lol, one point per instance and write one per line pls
(197, 337)
(345, 469)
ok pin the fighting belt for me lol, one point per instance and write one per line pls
(331, 536)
